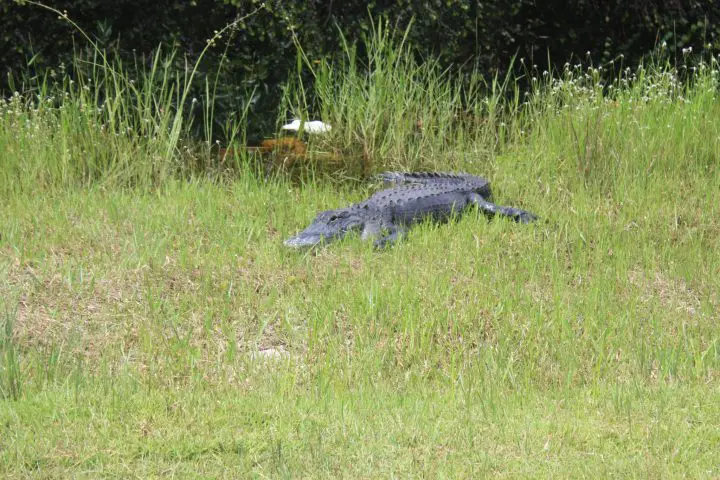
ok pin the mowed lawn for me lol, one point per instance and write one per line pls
(165, 333)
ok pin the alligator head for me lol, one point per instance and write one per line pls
(328, 226)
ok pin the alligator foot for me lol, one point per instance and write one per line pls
(389, 239)
(490, 209)
(525, 217)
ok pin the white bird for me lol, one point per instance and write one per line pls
(314, 126)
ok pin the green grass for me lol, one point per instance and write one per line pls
(390, 111)
(138, 318)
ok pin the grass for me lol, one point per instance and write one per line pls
(392, 112)
(162, 329)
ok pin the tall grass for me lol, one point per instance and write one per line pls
(638, 126)
(104, 121)
(97, 125)
(391, 111)
(114, 124)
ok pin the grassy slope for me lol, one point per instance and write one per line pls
(584, 344)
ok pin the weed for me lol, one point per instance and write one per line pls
(10, 375)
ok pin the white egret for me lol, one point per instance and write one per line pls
(312, 127)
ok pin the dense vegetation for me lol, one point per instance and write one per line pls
(252, 62)
(152, 324)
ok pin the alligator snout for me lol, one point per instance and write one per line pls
(300, 241)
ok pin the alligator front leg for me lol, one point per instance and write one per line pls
(490, 209)
(394, 234)
(384, 230)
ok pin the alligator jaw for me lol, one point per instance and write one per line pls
(304, 241)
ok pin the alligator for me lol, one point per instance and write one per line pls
(416, 196)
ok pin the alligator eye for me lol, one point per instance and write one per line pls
(333, 218)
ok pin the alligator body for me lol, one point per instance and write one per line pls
(388, 214)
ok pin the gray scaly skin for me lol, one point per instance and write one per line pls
(388, 214)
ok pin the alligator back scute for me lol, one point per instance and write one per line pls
(429, 178)
(463, 181)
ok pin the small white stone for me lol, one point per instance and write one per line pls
(270, 353)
